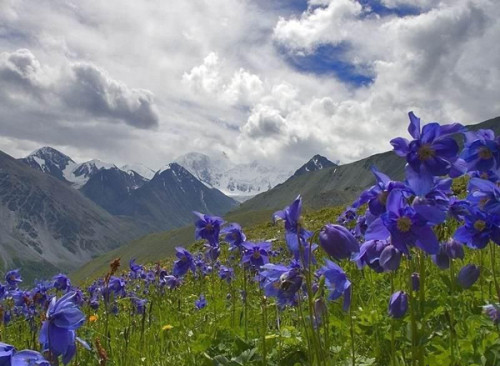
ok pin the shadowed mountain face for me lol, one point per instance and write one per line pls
(164, 201)
(110, 187)
(47, 226)
(167, 200)
(337, 185)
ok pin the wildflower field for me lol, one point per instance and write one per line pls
(406, 275)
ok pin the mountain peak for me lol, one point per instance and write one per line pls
(49, 160)
(317, 162)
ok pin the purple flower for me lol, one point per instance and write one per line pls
(493, 311)
(207, 227)
(184, 263)
(139, 305)
(29, 358)
(390, 258)
(369, 254)
(376, 196)
(256, 254)
(201, 302)
(468, 275)
(478, 230)
(404, 225)
(226, 274)
(212, 252)
(415, 281)
(432, 152)
(482, 151)
(281, 282)
(171, 282)
(6, 353)
(295, 235)
(134, 267)
(485, 195)
(61, 282)
(336, 281)
(13, 278)
(234, 235)
(398, 304)
(57, 334)
(441, 259)
(337, 241)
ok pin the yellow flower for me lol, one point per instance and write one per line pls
(167, 327)
(93, 318)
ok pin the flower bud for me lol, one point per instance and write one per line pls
(337, 241)
(468, 275)
(398, 304)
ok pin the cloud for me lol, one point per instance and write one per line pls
(280, 82)
(79, 89)
(91, 90)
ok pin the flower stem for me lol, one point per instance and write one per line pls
(393, 343)
(492, 257)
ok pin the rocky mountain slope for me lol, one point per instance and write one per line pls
(47, 226)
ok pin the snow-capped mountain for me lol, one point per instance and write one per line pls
(79, 174)
(140, 169)
(49, 160)
(317, 162)
(239, 181)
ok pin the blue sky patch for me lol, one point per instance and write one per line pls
(376, 7)
(329, 59)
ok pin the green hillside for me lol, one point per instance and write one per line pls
(158, 246)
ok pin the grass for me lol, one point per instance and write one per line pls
(445, 324)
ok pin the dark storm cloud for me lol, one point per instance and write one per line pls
(81, 91)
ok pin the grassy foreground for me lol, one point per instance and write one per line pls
(234, 329)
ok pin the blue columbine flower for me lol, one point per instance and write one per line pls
(479, 229)
(415, 281)
(134, 267)
(390, 258)
(139, 305)
(57, 334)
(61, 282)
(207, 227)
(493, 311)
(226, 273)
(338, 242)
(404, 226)
(234, 235)
(13, 278)
(256, 254)
(295, 235)
(468, 275)
(29, 358)
(281, 282)
(6, 353)
(184, 263)
(432, 152)
(484, 194)
(481, 151)
(398, 304)
(376, 195)
(336, 281)
(201, 302)
(369, 254)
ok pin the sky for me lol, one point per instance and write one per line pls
(276, 81)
